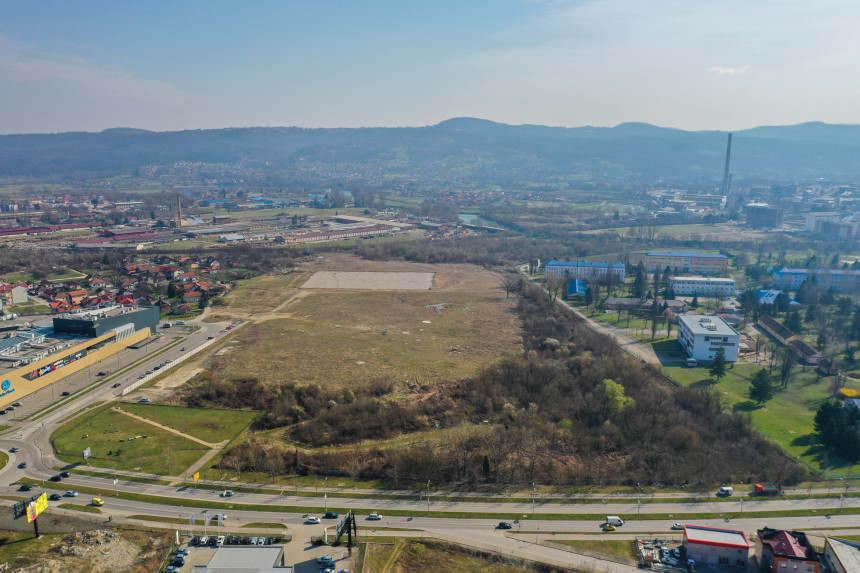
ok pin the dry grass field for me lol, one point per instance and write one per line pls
(346, 338)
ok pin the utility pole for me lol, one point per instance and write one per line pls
(325, 495)
(533, 500)
(428, 496)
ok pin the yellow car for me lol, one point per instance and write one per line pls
(608, 527)
(98, 501)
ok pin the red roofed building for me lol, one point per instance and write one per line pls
(713, 546)
(782, 551)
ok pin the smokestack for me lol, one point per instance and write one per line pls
(727, 183)
(179, 206)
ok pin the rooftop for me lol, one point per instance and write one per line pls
(703, 279)
(847, 553)
(710, 325)
(250, 559)
(714, 536)
(685, 254)
(786, 543)
(583, 264)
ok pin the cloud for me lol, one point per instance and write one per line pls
(724, 71)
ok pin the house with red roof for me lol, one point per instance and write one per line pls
(781, 551)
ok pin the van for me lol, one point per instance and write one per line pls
(614, 520)
(726, 491)
(180, 323)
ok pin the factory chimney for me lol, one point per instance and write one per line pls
(727, 182)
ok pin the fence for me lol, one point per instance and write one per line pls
(141, 381)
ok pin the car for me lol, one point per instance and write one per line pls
(117, 385)
(65, 474)
(312, 519)
(204, 539)
(65, 393)
(157, 367)
(327, 569)
(168, 361)
(149, 371)
(223, 330)
(670, 561)
(97, 501)
(374, 516)
(172, 569)
(25, 487)
(677, 526)
(325, 559)
(71, 493)
(505, 525)
(177, 562)
(331, 515)
(182, 551)
(608, 527)
(141, 376)
(55, 497)
(17, 404)
(212, 540)
(57, 477)
(676, 553)
(10, 407)
(102, 373)
(194, 540)
(144, 400)
(227, 493)
(246, 541)
(691, 566)
(220, 540)
(14, 449)
(229, 328)
(22, 465)
(2, 411)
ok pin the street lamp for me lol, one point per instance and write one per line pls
(325, 495)
(742, 506)
(533, 500)
(428, 496)
(638, 508)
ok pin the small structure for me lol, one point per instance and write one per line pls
(775, 329)
(575, 288)
(246, 559)
(231, 238)
(713, 546)
(781, 551)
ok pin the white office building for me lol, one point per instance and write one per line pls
(585, 270)
(702, 286)
(701, 337)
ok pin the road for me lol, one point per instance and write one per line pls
(32, 437)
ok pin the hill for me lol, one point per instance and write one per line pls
(460, 148)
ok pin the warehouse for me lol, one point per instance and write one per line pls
(702, 286)
(712, 546)
(702, 336)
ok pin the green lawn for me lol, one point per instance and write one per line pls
(786, 419)
(208, 425)
(618, 547)
(27, 309)
(4, 459)
(117, 442)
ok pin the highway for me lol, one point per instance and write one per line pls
(32, 437)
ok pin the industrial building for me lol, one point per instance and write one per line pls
(711, 546)
(33, 357)
(702, 286)
(780, 551)
(586, 270)
(702, 336)
(842, 556)
(763, 216)
(686, 262)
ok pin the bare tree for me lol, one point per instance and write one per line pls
(554, 284)
(512, 282)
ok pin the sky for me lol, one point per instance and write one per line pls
(689, 64)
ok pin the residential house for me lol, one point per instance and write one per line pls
(781, 551)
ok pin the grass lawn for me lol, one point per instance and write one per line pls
(434, 557)
(208, 425)
(27, 309)
(78, 507)
(263, 293)
(101, 430)
(618, 547)
(353, 338)
(4, 459)
(786, 419)
(618, 320)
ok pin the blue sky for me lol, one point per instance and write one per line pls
(692, 64)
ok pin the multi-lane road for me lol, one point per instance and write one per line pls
(32, 439)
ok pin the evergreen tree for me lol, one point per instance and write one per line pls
(718, 365)
(639, 281)
(589, 296)
(761, 389)
(695, 302)
(792, 322)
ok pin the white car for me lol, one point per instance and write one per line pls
(71, 493)
(312, 519)
(677, 526)
(374, 516)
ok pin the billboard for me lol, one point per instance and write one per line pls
(87, 453)
(196, 476)
(37, 506)
(48, 368)
(19, 509)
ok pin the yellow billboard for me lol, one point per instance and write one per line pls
(196, 476)
(37, 506)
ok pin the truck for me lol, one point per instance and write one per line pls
(767, 489)
(726, 491)
(614, 520)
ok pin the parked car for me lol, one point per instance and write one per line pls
(212, 540)
(331, 515)
(17, 404)
(325, 559)
(2, 411)
(182, 551)
(194, 540)
(374, 516)
(172, 569)
(220, 540)
(203, 540)
(505, 525)
(144, 400)
(312, 519)
(670, 561)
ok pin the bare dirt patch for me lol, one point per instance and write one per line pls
(379, 280)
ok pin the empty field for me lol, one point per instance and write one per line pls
(208, 425)
(346, 338)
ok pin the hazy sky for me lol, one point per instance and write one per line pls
(693, 64)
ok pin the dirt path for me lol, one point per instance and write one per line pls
(169, 429)
(392, 559)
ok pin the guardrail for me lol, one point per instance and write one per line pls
(141, 381)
